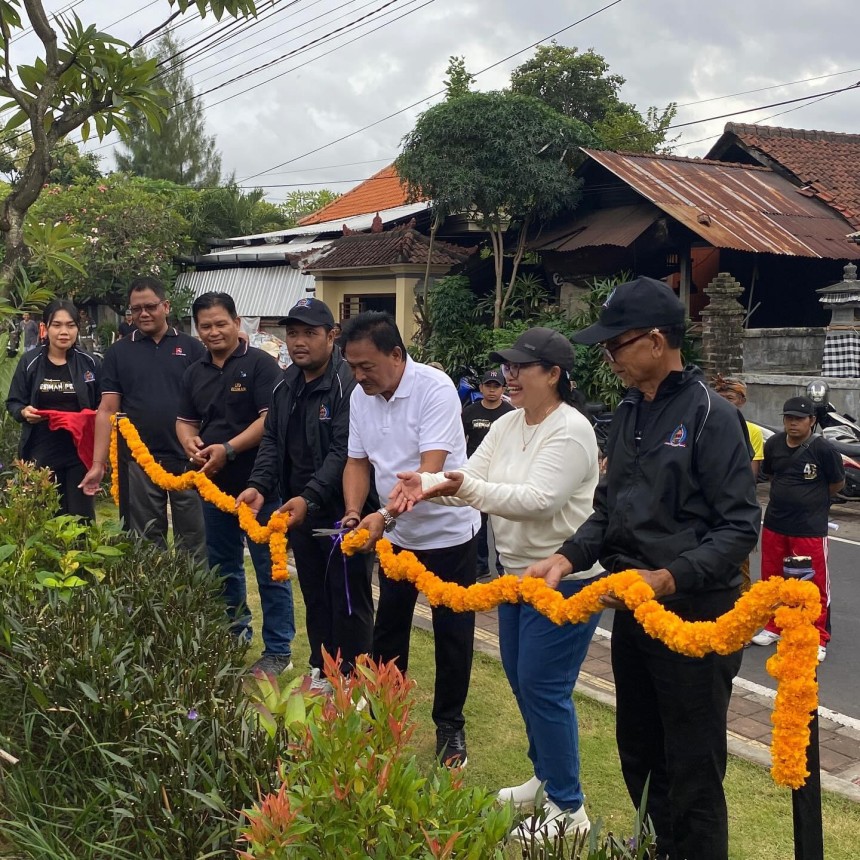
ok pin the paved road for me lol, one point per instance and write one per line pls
(839, 676)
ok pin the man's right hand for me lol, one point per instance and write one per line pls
(252, 498)
(551, 569)
(92, 481)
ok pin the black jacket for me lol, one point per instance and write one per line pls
(326, 435)
(681, 498)
(85, 371)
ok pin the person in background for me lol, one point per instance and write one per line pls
(735, 392)
(30, 329)
(62, 378)
(535, 473)
(478, 417)
(224, 402)
(678, 504)
(301, 457)
(805, 471)
(142, 376)
(127, 325)
(405, 416)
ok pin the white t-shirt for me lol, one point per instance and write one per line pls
(536, 482)
(422, 415)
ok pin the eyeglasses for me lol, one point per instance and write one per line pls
(513, 370)
(609, 353)
(150, 308)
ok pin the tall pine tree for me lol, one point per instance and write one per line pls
(180, 150)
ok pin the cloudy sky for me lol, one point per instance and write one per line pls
(276, 127)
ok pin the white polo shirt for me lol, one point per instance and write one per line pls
(422, 415)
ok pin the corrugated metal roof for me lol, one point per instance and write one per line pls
(258, 292)
(619, 226)
(355, 222)
(280, 251)
(733, 205)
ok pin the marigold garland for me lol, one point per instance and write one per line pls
(113, 456)
(274, 533)
(796, 605)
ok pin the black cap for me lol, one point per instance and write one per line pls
(493, 376)
(310, 312)
(538, 344)
(798, 407)
(643, 303)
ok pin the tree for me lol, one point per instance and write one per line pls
(220, 213)
(504, 159)
(90, 81)
(122, 226)
(178, 149)
(580, 86)
(300, 204)
(459, 81)
(70, 165)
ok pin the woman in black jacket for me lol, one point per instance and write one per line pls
(58, 377)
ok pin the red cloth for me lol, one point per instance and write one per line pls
(82, 426)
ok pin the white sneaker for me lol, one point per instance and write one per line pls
(765, 638)
(556, 822)
(522, 796)
(319, 684)
(822, 653)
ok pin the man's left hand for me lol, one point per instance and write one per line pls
(375, 524)
(660, 580)
(216, 459)
(297, 508)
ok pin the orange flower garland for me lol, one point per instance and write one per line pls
(794, 665)
(275, 533)
(113, 456)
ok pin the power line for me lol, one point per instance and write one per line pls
(433, 95)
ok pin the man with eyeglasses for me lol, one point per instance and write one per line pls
(679, 505)
(142, 377)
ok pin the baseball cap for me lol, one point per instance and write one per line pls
(798, 407)
(493, 376)
(538, 344)
(309, 311)
(643, 303)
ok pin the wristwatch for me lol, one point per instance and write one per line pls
(231, 451)
(313, 507)
(390, 522)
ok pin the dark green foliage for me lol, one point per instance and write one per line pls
(123, 702)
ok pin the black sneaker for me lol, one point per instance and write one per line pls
(451, 746)
(272, 664)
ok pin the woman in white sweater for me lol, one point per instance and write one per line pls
(535, 474)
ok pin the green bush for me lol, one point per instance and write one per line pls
(351, 789)
(122, 698)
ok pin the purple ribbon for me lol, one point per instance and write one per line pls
(336, 540)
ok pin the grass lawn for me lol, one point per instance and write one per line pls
(760, 812)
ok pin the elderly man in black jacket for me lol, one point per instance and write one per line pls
(679, 505)
(303, 453)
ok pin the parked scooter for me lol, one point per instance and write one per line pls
(842, 431)
(467, 385)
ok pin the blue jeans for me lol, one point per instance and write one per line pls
(225, 547)
(542, 662)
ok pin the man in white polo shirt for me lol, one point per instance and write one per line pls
(405, 416)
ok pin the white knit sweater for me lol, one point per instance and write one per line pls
(536, 482)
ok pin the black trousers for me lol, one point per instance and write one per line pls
(671, 727)
(453, 632)
(72, 500)
(337, 595)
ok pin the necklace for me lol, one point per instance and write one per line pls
(527, 442)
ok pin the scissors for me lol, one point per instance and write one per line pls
(331, 532)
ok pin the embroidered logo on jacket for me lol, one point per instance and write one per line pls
(89, 376)
(238, 388)
(179, 351)
(325, 413)
(678, 439)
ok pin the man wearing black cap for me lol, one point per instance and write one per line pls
(302, 455)
(477, 419)
(805, 471)
(679, 505)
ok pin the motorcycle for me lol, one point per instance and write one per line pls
(842, 431)
(467, 385)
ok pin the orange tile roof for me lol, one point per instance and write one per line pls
(382, 191)
(827, 163)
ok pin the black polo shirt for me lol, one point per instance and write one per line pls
(224, 401)
(148, 377)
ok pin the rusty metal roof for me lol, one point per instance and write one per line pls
(733, 205)
(618, 226)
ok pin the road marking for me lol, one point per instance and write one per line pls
(845, 540)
